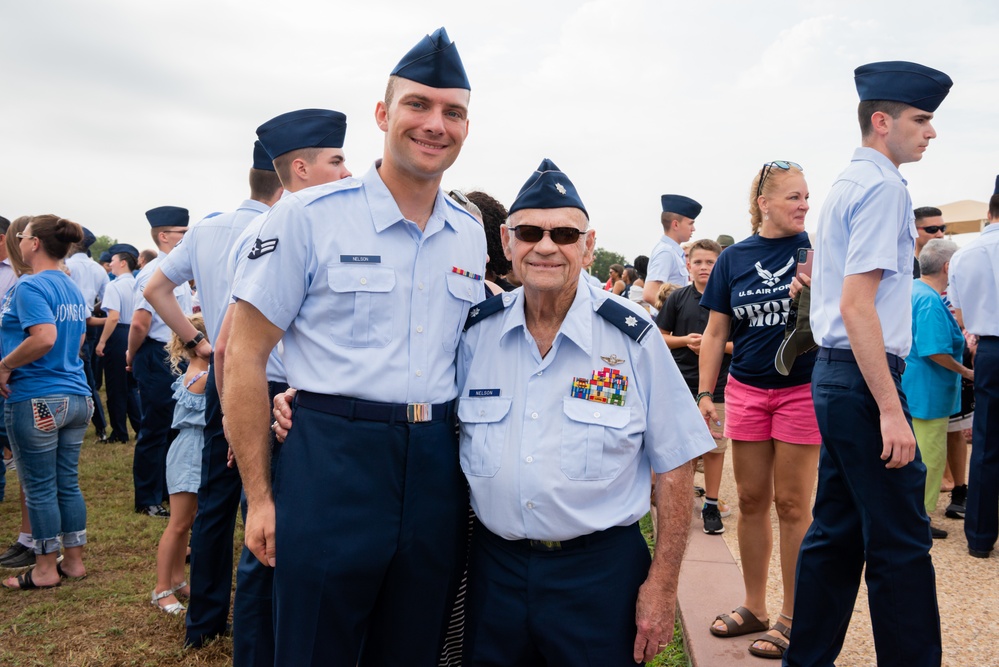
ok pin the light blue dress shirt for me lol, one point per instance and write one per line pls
(238, 257)
(158, 330)
(865, 224)
(89, 276)
(201, 256)
(667, 263)
(120, 296)
(371, 306)
(544, 465)
(974, 283)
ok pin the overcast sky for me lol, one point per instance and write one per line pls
(112, 107)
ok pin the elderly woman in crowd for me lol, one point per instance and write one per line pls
(770, 417)
(933, 372)
(48, 400)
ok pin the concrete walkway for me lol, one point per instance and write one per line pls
(711, 583)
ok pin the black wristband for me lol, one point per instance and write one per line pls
(193, 343)
(702, 395)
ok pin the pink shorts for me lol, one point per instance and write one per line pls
(762, 414)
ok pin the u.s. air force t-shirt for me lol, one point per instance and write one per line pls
(750, 283)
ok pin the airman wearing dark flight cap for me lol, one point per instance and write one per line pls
(869, 507)
(667, 263)
(118, 305)
(377, 275)
(148, 358)
(201, 257)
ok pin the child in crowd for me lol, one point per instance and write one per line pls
(682, 321)
(183, 472)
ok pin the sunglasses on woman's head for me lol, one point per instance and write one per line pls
(769, 166)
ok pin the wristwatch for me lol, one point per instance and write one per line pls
(193, 343)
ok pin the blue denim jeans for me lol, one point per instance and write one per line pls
(46, 434)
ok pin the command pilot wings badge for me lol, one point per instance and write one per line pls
(771, 279)
(261, 247)
(613, 359)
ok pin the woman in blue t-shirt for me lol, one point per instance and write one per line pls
(48, 400)
(770, 417)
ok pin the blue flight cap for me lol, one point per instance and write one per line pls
(88, 238)
(434, 62)
(305, 128)
(123, 248)
(680, 205)
(168, 216)
(548, 187)
(105, 257)
(899, 81)
(261, 159)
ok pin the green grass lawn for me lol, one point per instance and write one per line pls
(107, 620)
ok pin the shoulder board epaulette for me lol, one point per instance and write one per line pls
(624, 319)
(484, 309)
(316, 193)
(212, 215)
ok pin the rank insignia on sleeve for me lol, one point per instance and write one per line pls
(606, 386)
(261, 247)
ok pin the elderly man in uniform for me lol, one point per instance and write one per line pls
(201, 257)
(974, 289)
(377, 276)
(118, 305)
(667, 263)
(562, 389)
(148, 359)
(869, 504)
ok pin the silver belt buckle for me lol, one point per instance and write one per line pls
(418, 412)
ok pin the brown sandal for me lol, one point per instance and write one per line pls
(749, 624)
(780, 642)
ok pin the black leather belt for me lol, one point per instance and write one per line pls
(895, 362)
(558, 545)
(389, 413)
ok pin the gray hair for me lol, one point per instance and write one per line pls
(935, 254)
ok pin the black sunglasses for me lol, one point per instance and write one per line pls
(558, 235)
(769, 166)
(933, 229)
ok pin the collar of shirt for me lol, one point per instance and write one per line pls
(871, 155)
(385, 211)
(254, 205)
(578, 322)
(672, 244)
